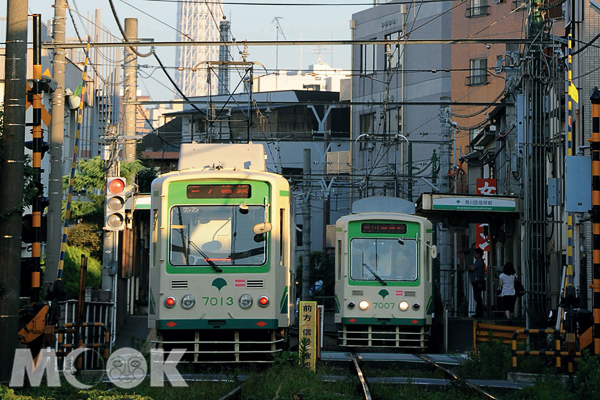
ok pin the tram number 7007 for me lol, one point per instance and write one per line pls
(386, 306)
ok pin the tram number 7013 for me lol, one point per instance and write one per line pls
(218, 301)
(386, 306)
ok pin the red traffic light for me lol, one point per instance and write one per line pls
(116, 185)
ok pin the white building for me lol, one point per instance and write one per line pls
(319, 77)
(199, 22)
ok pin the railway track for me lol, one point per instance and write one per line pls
(356, 362)
(435, 361)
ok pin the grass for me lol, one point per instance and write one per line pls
(288, 378)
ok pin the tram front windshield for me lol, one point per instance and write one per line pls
(387, 259)
(219, 235)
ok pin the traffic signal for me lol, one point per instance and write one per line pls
(115, 204)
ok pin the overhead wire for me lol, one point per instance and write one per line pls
(268, 4)
(125, 38)
(113, 155)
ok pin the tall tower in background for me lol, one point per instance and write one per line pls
(199, 22)
(224, 56)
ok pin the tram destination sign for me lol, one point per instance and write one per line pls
(479, 203)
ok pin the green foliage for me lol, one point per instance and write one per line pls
(30, 191)
(290, 381)
(131, 169)
(286, 357)
(587, 380)
(493, 361)
(303, 352)
(547, 386)
(91, 210)
(322, 268)
(145, 177)
(88, 237)
(71, 268)
(90, 180)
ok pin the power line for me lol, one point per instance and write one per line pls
(269, 4)
(333, 42)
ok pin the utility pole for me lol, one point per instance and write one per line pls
(11, 176)
(306, 228)
(444, 244)
(131, 32)
(56, 140)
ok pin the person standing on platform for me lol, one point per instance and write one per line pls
(507, 294)
(477, 278)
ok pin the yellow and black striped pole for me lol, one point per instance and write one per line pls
(37, 147)
(570, 273)
(595, 144)
(63, 247)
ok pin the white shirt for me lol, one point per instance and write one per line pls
(508, 285)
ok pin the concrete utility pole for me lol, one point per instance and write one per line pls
(444, 237)
(306, 228)
(131, 32)
(56, 140)
(11, 176)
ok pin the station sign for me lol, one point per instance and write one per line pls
(472, 203)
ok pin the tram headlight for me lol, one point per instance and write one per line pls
(263, 301)
(188, 301)
(170, 302)
(351, 305)
(245, 301)
(403, 305)
(363, 305)
(416, 306)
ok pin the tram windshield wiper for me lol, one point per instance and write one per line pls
(206, 258)
(384, 283)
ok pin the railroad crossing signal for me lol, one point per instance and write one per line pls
(115, 204)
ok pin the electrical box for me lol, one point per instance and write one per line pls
(578, 184)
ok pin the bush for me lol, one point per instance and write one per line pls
(71, 268)
(87, 236)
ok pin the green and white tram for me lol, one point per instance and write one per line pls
(383, 287)
(222, 256)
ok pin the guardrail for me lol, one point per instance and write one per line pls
(482, 333)
(570, 354)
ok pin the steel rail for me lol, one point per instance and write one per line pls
(455, 377)
(361, 377)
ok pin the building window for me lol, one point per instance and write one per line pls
(367, 125)
(393, 121)
(367, 59)
(477, 8)
(393, 52)
(478, 72)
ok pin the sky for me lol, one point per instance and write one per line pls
(250, 20)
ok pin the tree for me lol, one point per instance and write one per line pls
(322, 274)
(89, 181)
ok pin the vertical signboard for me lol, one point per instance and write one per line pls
(308, 330)
(485, 187)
